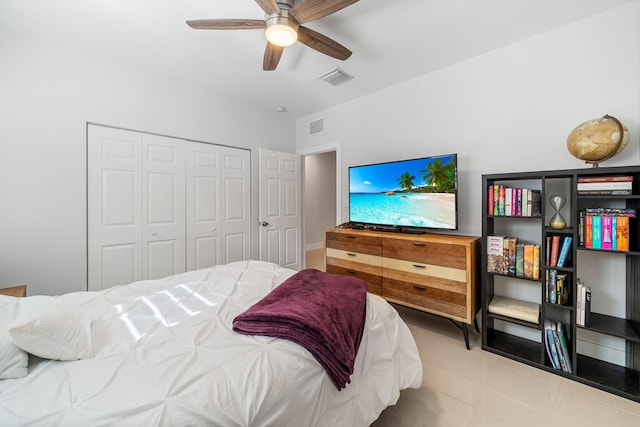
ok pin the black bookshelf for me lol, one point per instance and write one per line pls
(506, 341)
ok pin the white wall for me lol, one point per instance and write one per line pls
(318, 197)
(48, 95)
(509, 110)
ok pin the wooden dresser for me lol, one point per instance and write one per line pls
(436, 273)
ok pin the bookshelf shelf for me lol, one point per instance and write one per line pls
(525, 341)
(614, 326)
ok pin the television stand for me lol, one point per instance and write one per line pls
(435, 273)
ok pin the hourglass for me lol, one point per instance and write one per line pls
(557, 221)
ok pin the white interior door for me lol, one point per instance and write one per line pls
(203, 205)
(163, 207)
(280, 209)
(113, 207)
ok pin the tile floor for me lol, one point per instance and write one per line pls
(480, 389)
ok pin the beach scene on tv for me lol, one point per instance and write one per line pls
(410, 193)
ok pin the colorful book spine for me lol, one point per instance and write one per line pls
(490, 200)
(596, 232)
(507, 201)
(496, 199)
(518, 201)
(528, 261)
(520, 260)
(536, 262)
(606, 232)
(588, 232)
(564, 251)
(555, 250)
(513, 242)
(562, 333)
(622, 233)
(614, 233)
(501, 201)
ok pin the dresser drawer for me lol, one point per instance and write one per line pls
(436, 253)
(354, 243)
(441, 298)
(374, 280)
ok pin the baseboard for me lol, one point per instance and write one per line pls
(314, 246)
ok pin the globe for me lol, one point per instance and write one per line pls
(597, 140)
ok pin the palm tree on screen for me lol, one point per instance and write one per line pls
(406, 181)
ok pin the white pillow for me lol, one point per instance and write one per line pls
(14, 361)
(50, 328)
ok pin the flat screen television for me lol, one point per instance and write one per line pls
(407, 196)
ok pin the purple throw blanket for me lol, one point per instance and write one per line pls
(324, 313)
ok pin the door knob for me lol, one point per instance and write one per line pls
(263, 223)
(153, 233)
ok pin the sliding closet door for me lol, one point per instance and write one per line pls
(203, 205)
(236, 200)
(163, 206)
(114, 205)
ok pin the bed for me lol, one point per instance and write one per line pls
(163, 352)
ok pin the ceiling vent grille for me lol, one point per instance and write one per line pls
(336, 77)
(316, 127)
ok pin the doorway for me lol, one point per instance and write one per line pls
(321, 203)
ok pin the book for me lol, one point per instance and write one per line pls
(564, 338)
(587, 306)
(496, 199)
(596, 232)
(552, 296)
(507, 201)
(605, 192)
(518, 201)
(511, 264)
(555, 250)
(528, 261)
(579, 302)
(556, 340)
(605, 178)
(536, 262)
(622, 233)
(552, 350)
(523, 202)
(564, 251)
(490, 200)
(606, 232)
(588, 232)
(562, 289)
(534, 202)
(495, 253)
(517, 309)
(501, 200)
(614, 233)
(547, 250)
(581, 229)
(583, 304)
(590, 186)
(520, 260)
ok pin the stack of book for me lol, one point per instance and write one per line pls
(583, 304)
(508, 257)
(558, 249)
(605, 228)
(508, 201)
(606, 185)
(557, 288)
(555, 341)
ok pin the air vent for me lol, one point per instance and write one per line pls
(316, 127)
(336, 77)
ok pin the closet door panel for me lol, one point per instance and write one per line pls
(236, 198)
(203, 205)
(114, 241)
(163, 188)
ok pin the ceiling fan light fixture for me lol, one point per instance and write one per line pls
(281, 30)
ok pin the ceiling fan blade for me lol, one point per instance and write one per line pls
(226, 24)
(310, 10)
(322, 43)
(269, 6)
(272, 55)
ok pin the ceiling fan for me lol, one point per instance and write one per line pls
(283, 27)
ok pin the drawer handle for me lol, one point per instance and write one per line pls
(419, 244)
(419, 266)
(420, 288)
(352, 272)
(350, 254)
(351, 237)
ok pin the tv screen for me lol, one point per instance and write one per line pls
(418, 193)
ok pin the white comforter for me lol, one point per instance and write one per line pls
(165, 354)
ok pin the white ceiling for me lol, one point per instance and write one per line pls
(392, 41)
